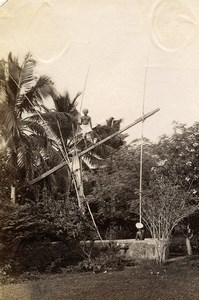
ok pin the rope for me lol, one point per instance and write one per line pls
(94, 223)
(141, 146)
(84, 89)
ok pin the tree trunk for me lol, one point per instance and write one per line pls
(161, 250)
(188, 236)
(188, 246)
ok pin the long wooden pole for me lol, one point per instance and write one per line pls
(63, 164)
(47, 173)
(141, 119)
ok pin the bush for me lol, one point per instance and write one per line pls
(108, 259)
(28, 232)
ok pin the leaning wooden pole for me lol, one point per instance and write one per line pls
(65, 163)
(141, 119)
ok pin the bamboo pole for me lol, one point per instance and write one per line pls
(49, 172)
(141, 119)
(142, 145)
(94, 223)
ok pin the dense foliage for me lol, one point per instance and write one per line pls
(114, 197)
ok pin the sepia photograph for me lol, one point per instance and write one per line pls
(99, 149)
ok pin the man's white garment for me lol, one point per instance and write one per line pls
(86, 129)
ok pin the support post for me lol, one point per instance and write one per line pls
(77, 172)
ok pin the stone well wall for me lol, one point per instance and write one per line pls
(132, 248)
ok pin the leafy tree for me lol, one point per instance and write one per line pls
(164, 205)
(178, 156)
(114, 197)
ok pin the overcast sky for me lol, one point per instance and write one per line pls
(119, 40)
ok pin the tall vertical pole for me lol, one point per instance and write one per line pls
(84, 89)
(142, 144)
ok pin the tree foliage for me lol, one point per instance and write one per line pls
(164, 205)
(4, 178)
(22, 92)
(115, 194)
(178, 156)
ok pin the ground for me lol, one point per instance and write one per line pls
(176, 281)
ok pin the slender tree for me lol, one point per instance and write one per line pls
(164, 205)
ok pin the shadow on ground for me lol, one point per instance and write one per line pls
(177, 280)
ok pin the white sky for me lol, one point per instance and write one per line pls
(114, 37)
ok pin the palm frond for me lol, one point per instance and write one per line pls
(32, 154)
(27, 77)
(13, 59)
(24, 156)
(88, 163)
(3, 94)
(62, 102)
(35, 127)
(44, 87)
(74, 103)
(39, 90)
(45, 109)
(11, 96)
(112, 126)
(92, 161)
(2, 70)
(14, 71)
(60, 179)
(54, 156)
(9, 123)
(103, 151)
(25, 82)
(54, 120)
(40, 145)
(113, 123)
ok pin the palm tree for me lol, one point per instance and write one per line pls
(21, 92)
(62, 121)
(62, 126)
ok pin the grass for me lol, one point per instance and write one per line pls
(177, 280)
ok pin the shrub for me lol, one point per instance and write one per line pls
(109, 258)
